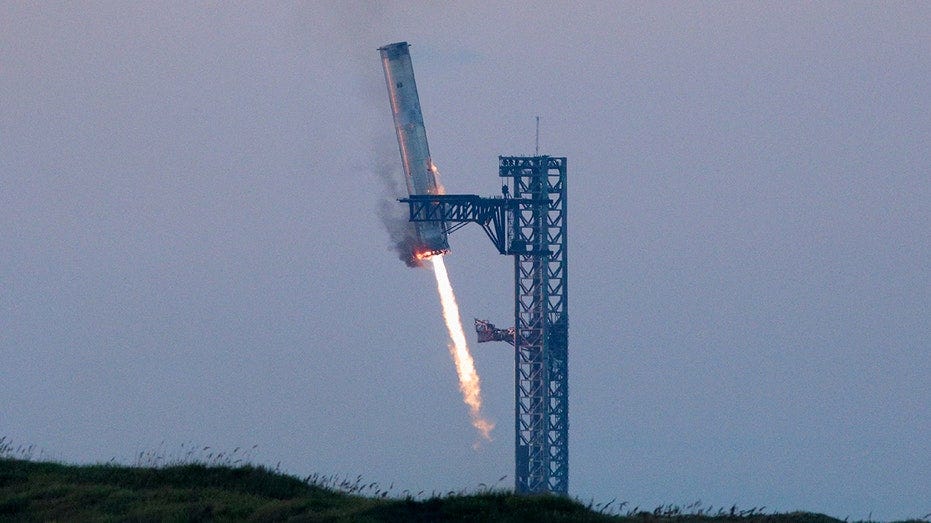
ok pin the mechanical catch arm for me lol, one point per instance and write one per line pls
(453, 211)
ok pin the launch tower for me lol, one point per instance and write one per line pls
(528, 223)
(541, 322)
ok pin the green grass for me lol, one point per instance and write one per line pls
(51, 491)
(43, 491)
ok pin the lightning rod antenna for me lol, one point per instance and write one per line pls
(537, 149)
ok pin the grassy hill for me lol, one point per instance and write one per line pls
(42, 491)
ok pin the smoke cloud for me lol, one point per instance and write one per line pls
(401, 233)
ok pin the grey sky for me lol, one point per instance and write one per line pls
(190, 250)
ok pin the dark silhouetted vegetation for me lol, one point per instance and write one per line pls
(220, 490)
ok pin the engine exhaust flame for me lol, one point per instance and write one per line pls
(469, 382)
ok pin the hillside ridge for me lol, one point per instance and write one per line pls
(33, 490)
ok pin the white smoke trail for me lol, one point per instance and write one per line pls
(469, 382)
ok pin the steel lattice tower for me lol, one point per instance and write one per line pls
(529, 223)
(541, 322)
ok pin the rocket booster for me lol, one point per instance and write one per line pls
(419, 171)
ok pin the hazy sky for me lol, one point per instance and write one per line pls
(190, 249)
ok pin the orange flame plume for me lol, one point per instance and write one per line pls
(469, 382)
